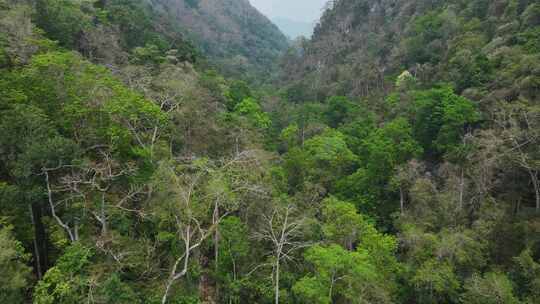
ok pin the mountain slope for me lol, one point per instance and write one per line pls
(232, 32)
(440, 103)
(360, 47)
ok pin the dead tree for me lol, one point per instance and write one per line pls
(283, 230)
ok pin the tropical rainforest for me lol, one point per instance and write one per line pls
(183, 151)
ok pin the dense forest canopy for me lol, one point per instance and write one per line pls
(181, 152)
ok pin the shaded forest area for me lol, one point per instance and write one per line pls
(394, 159)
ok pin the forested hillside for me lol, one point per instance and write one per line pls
(426, 118)
(395, 160)
(244, 42)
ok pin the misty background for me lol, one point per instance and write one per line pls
(293, 17)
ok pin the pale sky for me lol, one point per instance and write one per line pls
(298, 10)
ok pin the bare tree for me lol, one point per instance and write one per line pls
(283, 230)
(67, 184)
(71, 231)
(203, 194)
(404, 179)
(520, 125)
(192, 235)
(184, 186)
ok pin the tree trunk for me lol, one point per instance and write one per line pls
(277, 282)
(536, 185)
(40, 240)
(401, 200)
(461, 188)
(330, 293)
(166, 294)
(216, 248)
(174, 276)
(103, 216)
(303, 134)
(206, 291)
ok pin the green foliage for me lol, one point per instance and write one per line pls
(233, 233)
(530, 39)
(441, 118)
(531, 15)
(4, 59)
(322, 159)
(251, 109)
(15, 273)
(471, 70)
(135, 22)
(234, 249)
(336, 274)
(86, 93)
(426, 30)
(30, 141)
(342, 224)
(436, 282)
(358, 130)
(62, 20)
(149, 54)
(237, 93)
(115, 291)
(380, 153)
(156, 165)
(492, 288)
(389, 146)
(290, 135)
(381, 250)
(68, 281)
(527, 276)
(339, 111)
(71, 22)
(329, 150)
(339, 275)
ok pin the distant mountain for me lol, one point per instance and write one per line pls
(437, 40)
(232, 32)
(293, 28)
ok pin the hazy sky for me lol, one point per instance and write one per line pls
(298, 10)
